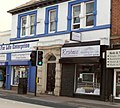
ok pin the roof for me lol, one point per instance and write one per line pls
(33, 4)
(27, 3)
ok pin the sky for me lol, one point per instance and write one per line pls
(6, 18)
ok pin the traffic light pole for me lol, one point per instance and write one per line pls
(35, 81)
(36, 73)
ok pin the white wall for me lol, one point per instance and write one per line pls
(40, 20)
(103, 12)
(62, 16)
(14, 26)
(103, 18)
(5, 36)
(97, 35)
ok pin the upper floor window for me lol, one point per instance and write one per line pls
(52, 22)
(51, 19)
(23, 26)
(81, 14)
(26, 24)
(89, 14)
(76, 16)
(32, 21)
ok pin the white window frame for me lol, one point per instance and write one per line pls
(88, 14)
(23, 26)
(82, 15)
(27, 26)
(73, 17)
(31, 24)
(52, 20)
(12, 74)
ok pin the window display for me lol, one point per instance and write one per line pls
(118, 84)
(19, 72)
(87, 79)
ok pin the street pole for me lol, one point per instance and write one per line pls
(36, 73)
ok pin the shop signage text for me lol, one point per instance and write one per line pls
(20, 56)
(17, 47)
(82, 51)
(113, 58)
(2, 57)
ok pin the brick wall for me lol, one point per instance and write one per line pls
(115, 30)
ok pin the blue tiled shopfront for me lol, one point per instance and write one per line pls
(15, 58)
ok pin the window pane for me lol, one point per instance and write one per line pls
(88, 79)
(19, 72)
(89, 7)
(52, 26)
(89, 20)
(52, 15)
(52, 58)
(24, 21)
(23, 31)
(118, 84)
(32, 28)
(23, 28)
(52, 20)
(32, 22)
(77, 26)
(76, 20)
(76, 10)
(32, 19)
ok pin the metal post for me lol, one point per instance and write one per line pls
(36, 72)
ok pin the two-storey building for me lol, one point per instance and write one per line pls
(72, 34)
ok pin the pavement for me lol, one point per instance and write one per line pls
(5, 103)
(50, 100)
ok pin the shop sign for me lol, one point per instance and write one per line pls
(75, 36)
(2, 57)
(112, 58)
(81, 51)
(2, 63)
(20, 56)
(7, 48)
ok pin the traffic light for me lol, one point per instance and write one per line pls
(33, 58)
(40, 58)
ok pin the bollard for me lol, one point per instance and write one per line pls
(111, 98)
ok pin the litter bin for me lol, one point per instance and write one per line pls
(22, 86)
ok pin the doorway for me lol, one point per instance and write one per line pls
(50, 77)
(2, 76)
(51, 65)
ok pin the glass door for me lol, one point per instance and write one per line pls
(117, 83)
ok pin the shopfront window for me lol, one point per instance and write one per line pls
(19, 72)
(117, 83)
(87, 79)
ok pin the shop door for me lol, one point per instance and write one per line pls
(50, 77)
(117, 83)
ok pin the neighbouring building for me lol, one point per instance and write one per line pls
(113, 53)
(4, 39)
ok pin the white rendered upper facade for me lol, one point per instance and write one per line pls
(91, 18)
